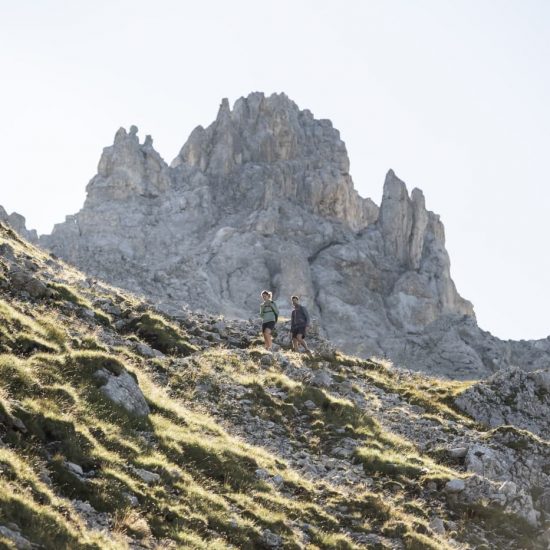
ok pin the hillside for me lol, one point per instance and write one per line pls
(123, 428)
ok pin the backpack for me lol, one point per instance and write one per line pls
(273, 311)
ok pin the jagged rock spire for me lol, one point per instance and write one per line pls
(293, 155)
(18, 223)
(262, 197)
(403, 221)
(127, 170)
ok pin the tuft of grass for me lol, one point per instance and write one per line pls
(333, 541)
(513, 437)
(418, 541)
(132, 522)
(27, 344)
(83, 364)
(15, 375)
(22, 334)
(390, 463)
(161, 334)
(65, 293)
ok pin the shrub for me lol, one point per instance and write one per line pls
(65, 293)
(161, 335)
(84, 363)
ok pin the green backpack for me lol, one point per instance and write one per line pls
(274, 312)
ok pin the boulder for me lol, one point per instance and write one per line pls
(455, 486)
(123, 390)
(25, 281)
(511, 396)
(149, 477)
(18, 540)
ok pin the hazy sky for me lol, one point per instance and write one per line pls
(453, 95)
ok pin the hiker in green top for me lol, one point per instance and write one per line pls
(269, 312)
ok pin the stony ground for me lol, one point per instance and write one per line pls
(123, 428)
(405, 405)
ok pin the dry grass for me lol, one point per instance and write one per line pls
(208, 494)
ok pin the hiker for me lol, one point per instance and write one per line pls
(299, 322)
(269, 312)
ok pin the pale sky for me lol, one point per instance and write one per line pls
(451, 94)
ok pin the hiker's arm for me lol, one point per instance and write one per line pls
(306, 315)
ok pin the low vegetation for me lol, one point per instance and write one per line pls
(179, 477)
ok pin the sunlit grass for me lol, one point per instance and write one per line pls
(208, 494)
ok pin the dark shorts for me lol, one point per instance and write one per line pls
(298, 330)
(270, 325)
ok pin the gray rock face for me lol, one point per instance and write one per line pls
(263, 198)
(17, 222)
(19, 542)
(122, 390)
(516, 462)
(511, 397)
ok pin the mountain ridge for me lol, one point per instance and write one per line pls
(263, 197)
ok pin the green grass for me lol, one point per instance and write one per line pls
(434, 395)
(213, 471)
(161, 334)
(23, 335)
(208, 494)
(65, 293)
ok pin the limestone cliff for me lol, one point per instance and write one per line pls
(17, 222)
(263, 198)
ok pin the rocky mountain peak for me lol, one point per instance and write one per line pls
(267, 149)
(17, 222)
(128, 169)
(262, 129)
(262, 198)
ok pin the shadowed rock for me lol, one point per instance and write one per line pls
(511, 397)
(123, 390)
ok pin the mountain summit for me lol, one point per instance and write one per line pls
(263, 198)
(269, 149)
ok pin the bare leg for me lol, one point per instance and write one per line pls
(294, 344)
(267, 338)
(301, 342)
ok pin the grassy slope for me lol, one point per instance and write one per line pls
(208, 494)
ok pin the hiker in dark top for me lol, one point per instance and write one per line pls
(269, 312)
(299, 321)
